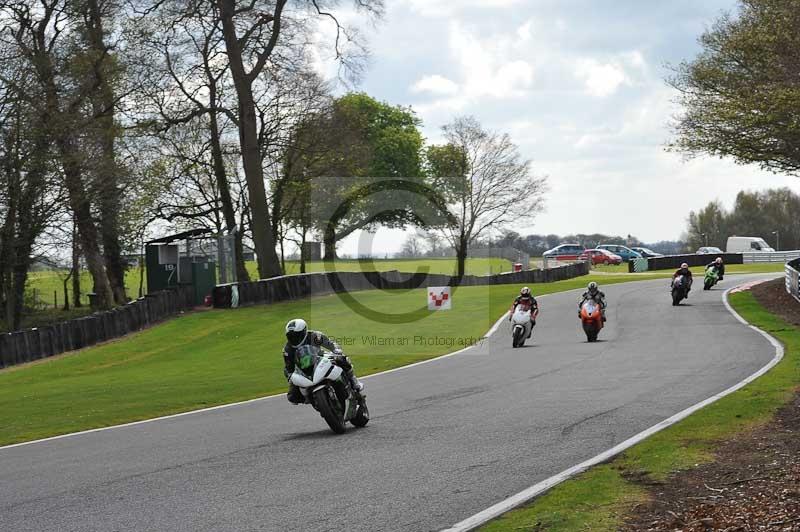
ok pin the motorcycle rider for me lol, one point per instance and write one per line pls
(594, 293)
(719, 266)
(297, 334)
(525, 297)
(687, 274)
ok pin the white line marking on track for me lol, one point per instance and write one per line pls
(537, 489)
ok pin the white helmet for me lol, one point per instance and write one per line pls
(592, 287)
(525, 291)
(296, 331)
(684, 266)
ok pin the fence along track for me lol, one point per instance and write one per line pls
(792, 274)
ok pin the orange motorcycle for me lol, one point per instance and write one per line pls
(592, 319)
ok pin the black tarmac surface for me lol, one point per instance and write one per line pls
(447, 439)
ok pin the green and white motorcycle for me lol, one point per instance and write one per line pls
(711, 277)
(324, 385)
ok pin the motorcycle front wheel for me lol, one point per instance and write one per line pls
(328, 406)
(362, 416)
(518, 337)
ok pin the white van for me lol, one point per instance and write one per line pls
(747, 244)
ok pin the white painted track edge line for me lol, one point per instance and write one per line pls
(539, 488)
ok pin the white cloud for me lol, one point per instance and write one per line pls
(600, 79)
(444, 8)
(487, 67)
(435, 84)
(525, 32)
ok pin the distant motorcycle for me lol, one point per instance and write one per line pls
(680, 288)
(711, 277)
(328, 390)
(592, 319)
(521, 326)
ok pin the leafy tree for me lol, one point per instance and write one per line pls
(708, 227)
(770, 214)
(741, 95)
(362, 160)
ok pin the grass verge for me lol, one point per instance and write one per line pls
(599, 498)
(220, 356)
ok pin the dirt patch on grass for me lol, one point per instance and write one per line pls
(772, 296)
(754, 484)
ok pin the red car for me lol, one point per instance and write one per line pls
(600, 256)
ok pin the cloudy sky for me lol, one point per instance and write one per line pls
(579, 85)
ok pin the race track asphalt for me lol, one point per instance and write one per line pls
(446, 440)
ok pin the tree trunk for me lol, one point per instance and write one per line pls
(303, 252)
(329, 243)
(106, 178)
(461, 258)
(66, 291)
(283, 256)
(86, 229)
(76, 269)
(268, 263)
(223, 185)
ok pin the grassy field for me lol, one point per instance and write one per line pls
(47, 282)
(219, 356)
(474, 266)
(597, 499)
(47, 286)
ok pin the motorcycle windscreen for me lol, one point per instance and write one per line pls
(306, 359)
(590, 307)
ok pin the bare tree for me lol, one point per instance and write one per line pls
(29, 193)
(486, 180)
(252, 33)
(42, 37)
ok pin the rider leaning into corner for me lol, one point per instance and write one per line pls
(687, 274)
(594, 293)
(297, 335)
(525, 297)
(718, 264)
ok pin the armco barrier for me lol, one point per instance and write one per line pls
(792, 274)
(671, 262)
(33, 344)
(773, 256)
(292, 287)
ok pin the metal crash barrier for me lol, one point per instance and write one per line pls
(792, 278)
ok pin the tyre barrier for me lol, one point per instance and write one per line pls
(28, 345)
(673, 262)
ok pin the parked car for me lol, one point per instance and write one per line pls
(647, 253)
(747, 244)
(623, 251)
(708, 250)
(564, 252)
(600, 256)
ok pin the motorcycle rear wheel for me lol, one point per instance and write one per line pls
(329, 412)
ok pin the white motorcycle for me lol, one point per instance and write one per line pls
(328, 390)
(521, 326)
